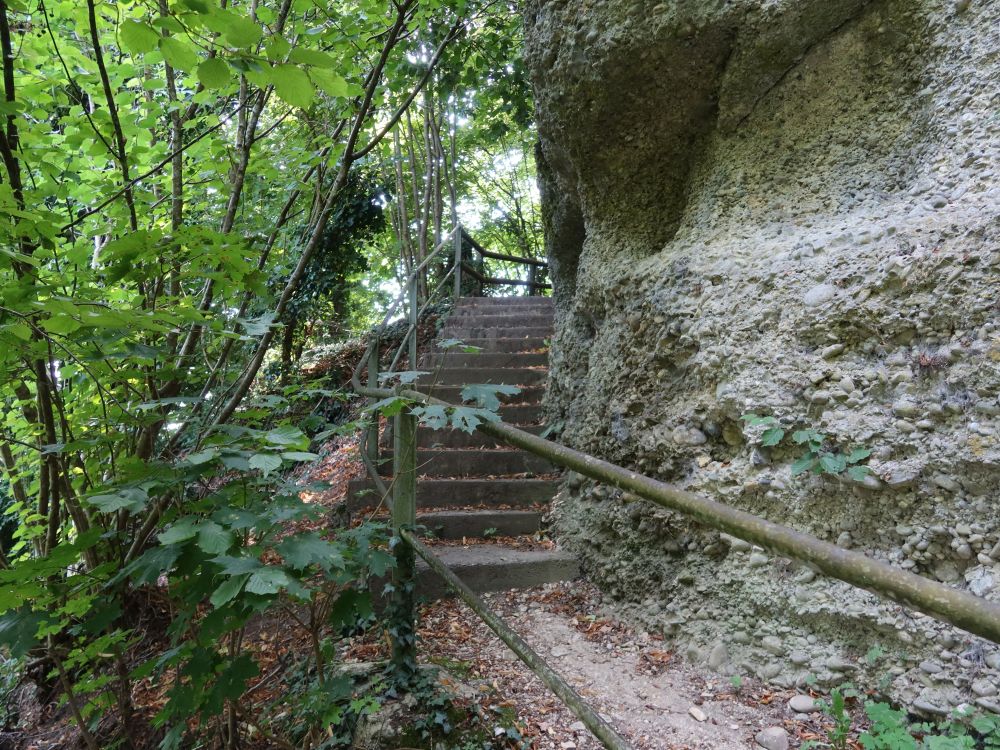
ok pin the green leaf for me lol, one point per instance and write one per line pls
(138, 37)
(201, 457)
(858, 473)
(485, 394)
(302, 550)
(213, 539)
(235, 566)
(803, 464)
(276, 48)
(214, 73)
(293, 85)
(178, 54)
(267, 581)
(832, 463)
(228, 590)
(433, 416)
(467, 418)
(266, 462)
(18, 631)
(772, 436)
(306, 56)
(858, 454)
(330, 83)
(241, 31)
(130, 499)
(180, 531)
(287, 435)
(299, 456)
(390, 407)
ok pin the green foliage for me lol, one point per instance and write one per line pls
(893, 729)
(821, 454)
(164, 169)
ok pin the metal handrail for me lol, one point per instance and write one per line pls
(959, 608)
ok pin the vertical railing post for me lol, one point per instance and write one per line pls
(532, 280)
(458, 261)
(371, 443)
(404, 514)
(413, 322)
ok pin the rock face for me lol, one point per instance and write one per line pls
(788, 208)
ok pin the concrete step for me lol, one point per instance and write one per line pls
(491, 567)
(512, 345)
(517, 332)
(457, 358)
(465, 303)
(530, 394)
(427, 438)
(497, 375)
(500, 320)
(460, 524)
(473, 462)
(449, 493)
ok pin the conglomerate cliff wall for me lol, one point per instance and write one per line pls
(788, 208)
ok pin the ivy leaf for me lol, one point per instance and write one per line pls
(178, 54)
(138, 37)
(266, 462)
(214, 73)
(485, 394)
(772, 436)
(293, 85)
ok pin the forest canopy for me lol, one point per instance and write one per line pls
(193, 192)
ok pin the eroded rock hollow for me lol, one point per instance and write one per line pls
(787, 208)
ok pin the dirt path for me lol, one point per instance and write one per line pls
(647, 693)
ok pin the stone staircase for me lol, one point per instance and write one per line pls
(471, 487)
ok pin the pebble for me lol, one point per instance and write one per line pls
(719, 656)
(757, 560)
(832, 351)
(819, 294)
(773, 644)
(984, 688)
(697, 713)
(773, 738)
(802, 704)
(930, 667)
(839, 664)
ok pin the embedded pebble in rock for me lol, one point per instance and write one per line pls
(772, 738)
(738, 222)
(802, 704)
